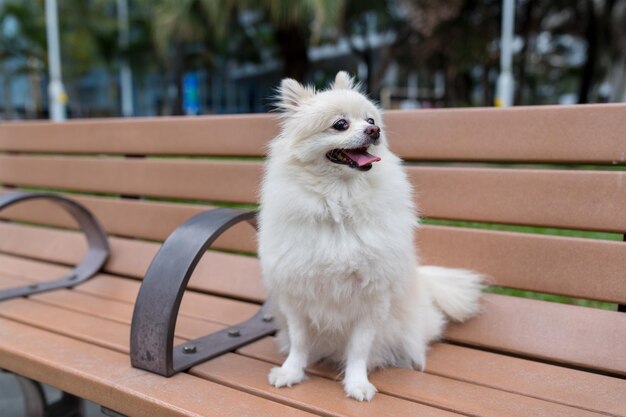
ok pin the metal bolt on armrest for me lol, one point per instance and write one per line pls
(156, 310)
(97, 253)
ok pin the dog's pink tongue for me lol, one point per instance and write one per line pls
(360, 156)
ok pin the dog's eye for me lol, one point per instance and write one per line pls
(370, 121)
(341, 124)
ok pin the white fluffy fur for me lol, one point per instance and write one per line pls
(337, 251)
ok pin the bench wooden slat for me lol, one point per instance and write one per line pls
(550, 264)
(90, 371)
(580, 389)
(240, 135)
(207, 180)
(554, 198)
(9, 282)
(542, 263)
(573, 134)
(186, 327)
(584, 390)
(130, 218)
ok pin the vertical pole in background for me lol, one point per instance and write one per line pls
(56, 92)
(126, 76)
(504, 93)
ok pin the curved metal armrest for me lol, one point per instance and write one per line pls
(97, 253)
(156, 309)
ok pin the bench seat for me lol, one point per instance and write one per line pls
(521, 356)
(92, 323)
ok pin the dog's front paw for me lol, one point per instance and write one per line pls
(285, 377)
(360, 390)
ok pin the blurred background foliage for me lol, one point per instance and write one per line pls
(408, 53)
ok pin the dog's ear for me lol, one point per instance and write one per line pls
(343, 81)
(291, 93)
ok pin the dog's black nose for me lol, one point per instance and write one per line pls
(373, 131)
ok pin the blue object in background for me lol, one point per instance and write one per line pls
(191, 94)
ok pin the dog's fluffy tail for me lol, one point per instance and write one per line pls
(455, 291)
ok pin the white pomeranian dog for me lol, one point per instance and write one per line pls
(336, 244)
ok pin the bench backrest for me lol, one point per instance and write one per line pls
(488, 182)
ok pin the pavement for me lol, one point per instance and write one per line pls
(12, 401)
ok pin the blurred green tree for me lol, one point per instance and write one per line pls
(208, 33)
(88, 37)
(26, 39)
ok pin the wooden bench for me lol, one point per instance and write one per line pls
(505, 169)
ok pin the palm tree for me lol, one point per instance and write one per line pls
(296, 24)
(188, 33)
(184, 34)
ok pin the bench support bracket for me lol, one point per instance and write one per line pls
(156, 309)
(110, 413)
(97, 253)
(36, 405)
